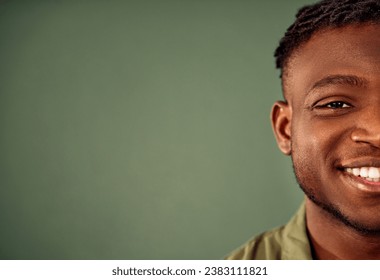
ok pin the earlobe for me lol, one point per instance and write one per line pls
(281, 116)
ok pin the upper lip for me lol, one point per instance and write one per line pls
(360, 162)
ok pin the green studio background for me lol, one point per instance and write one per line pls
(140, 129)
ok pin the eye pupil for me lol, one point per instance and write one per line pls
(336, 104)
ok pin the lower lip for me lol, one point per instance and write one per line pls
(364, 185)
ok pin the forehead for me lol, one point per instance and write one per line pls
(351, 50)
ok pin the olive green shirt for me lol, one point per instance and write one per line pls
(289, 242)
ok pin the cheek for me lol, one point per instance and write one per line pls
(315, 149)
(318, 140)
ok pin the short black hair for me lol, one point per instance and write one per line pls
(324, 14)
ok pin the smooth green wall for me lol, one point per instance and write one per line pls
(140, 129)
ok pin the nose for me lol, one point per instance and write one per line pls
(367, 128)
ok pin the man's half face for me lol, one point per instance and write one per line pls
(331, 123)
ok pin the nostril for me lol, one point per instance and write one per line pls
(368, 136)
(357, 135)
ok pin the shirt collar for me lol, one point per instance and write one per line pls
(296, 245)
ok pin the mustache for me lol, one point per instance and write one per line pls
(365, 156)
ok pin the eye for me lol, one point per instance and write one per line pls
(337, 105)
(333, 105)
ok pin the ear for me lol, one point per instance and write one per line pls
(281, 117)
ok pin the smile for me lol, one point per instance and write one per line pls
(371, 174)
(366, 178)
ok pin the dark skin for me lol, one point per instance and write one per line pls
(329, 124)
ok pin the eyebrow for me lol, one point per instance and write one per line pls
(350, 80)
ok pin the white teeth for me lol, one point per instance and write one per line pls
(373, 173)
(356, 171)
(364, 172)
(370, 173)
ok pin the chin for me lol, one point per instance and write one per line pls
(367, 227)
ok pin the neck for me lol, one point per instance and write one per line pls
(331, 239)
